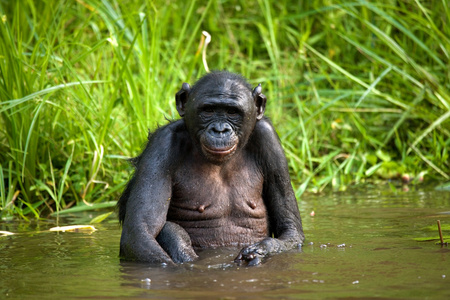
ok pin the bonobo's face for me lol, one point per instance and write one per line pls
(220, 117)
(220, 113)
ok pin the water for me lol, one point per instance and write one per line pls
(379, 259)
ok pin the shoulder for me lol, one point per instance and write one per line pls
(264, 132)
(266, 144)
(164, 144)
(167, 131)
(168, 136)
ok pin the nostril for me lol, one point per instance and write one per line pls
(220, 129)
(226, 128)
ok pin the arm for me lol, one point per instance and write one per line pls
(144, 204)
(279, 198)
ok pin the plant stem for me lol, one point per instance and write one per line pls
(440, 232)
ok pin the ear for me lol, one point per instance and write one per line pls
(181, 98)
(260, 101)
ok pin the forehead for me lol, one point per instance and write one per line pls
(222, 83)
(221, 87)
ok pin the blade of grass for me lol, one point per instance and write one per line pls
(353, 78)
(9, 104)
(373, 85)
(430, 128)
(63, 180)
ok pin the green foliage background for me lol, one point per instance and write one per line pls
(358, 90)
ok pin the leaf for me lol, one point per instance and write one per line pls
(63, 180)
(5, 233)
(430, 128)
(443, 187)
(373, 169)
(14, 102)
(427, 239)
(80, 208)
(383, 155)
(444, 227)
(100, 218)
(74, 228)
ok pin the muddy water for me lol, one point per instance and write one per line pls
(359, 245)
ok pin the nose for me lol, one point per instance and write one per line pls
(221, 128)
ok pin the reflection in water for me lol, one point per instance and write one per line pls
(215, 270)
(358, 244)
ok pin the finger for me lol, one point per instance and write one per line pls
(238, 258)
(254, 262)
(250, 256)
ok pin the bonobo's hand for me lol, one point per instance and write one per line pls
(253, 254)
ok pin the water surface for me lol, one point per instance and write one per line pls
(359, 245)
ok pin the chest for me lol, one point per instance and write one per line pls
(207, 192)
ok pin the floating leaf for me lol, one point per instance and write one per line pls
(437, 238)
(444, 227)
(74, 228)
(443, 187)
(5, 233)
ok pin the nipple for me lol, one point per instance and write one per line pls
(201, 208)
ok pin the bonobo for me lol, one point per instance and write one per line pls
(217, 177)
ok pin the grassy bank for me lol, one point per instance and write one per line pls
(357, 90)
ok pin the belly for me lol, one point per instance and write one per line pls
(225, 232)
(221, 222)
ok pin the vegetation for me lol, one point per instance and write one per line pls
(358, 90)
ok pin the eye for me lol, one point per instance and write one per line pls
(207, 112)
(232, 111)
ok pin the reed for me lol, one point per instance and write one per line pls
(358, 90)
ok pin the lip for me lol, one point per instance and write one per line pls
(218, 151)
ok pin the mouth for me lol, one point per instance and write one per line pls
(219, 151)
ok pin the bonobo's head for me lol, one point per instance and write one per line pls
(220, 112)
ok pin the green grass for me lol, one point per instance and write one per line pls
(358, 90)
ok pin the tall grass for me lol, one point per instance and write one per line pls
(358, 90)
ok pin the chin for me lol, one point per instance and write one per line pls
(218, 154)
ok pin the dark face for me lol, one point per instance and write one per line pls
(220, 119)
(220, 114)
